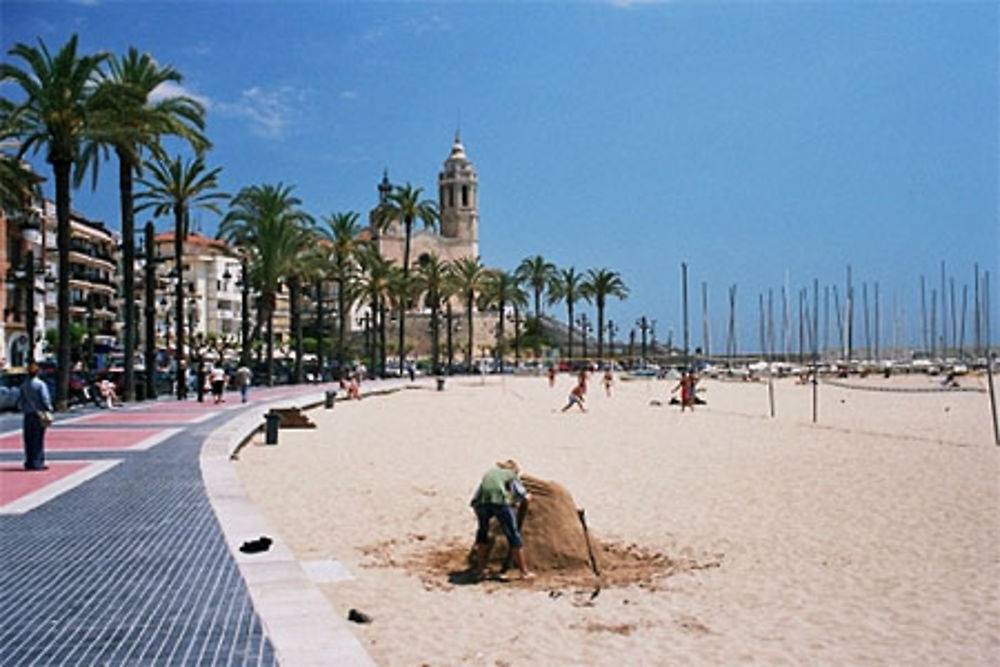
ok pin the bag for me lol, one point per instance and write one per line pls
(45, 417)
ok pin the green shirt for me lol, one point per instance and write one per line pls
(495, 487)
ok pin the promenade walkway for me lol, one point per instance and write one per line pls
(114, 555)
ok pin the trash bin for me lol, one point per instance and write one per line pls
(440, 382)
(272, 420)
(331, 396)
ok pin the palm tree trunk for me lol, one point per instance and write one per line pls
(381, 335)
(569, 308)
(181, 370)
(293, 286)
(468, 351)
(269, 377)
(62, 169)
(319, 329)
(341, 321)
(435, 335)
(538, 302)
(404, 302)
(128, 252)
(500, 338)
(600, 330)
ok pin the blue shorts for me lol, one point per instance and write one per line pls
(508, 522)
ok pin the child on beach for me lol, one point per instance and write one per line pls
(576, 396)
(552, 376)
(499, 490)
(608, 381)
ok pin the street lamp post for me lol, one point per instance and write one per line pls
(90, 331)
(29, 315)
(517, 336)
(320, 375)
(644, 326)
(150, 311)
(612, 330)
(581, 323)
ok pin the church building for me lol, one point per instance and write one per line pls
(458, 206)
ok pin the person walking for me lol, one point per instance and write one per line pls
(499, 490)
(36, 406)
(218, 380)
(242, 380)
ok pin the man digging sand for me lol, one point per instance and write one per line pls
(498, 491)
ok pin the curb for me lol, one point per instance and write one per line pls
(297, 618)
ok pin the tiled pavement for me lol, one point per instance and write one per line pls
(114, 555)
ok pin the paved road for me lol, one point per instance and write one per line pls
(114, 555)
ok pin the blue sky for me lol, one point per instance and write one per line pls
(763, 143)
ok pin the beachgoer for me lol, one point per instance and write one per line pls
(552, 375)
(687, 386)
(499, 490)
(353, 389)
(411, 369)
(33, 399)
(242, 381)
(576, 396)
(109, 396)
(218, 380)
(608, 380)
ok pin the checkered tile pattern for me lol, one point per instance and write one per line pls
(129, 568)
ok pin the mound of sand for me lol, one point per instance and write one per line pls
(554, 537)
(557, 547)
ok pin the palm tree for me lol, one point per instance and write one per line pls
(599, 285)
(125, 104)
(467, 277)
(432, 278)
(56, 113)
(404, 204)
(177, 187)
(536, 272)
(376, 285)
(567, 285)
(317, 270)
(267, 221)
(499, 289)
(342, 230)
(18, 184)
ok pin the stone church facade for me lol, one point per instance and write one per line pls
(458, 205)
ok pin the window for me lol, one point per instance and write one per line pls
(465, 195)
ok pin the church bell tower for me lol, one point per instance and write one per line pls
(458, 197)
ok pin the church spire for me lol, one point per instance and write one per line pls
(385, 187)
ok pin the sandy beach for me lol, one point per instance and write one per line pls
(870, 538)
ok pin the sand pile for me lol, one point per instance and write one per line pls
(558, 549)
(554, 537)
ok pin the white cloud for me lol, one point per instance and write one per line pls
(199, 50)
(269, 112)
(413, 27)
(86, 3)
(349, 95)
(169, 89)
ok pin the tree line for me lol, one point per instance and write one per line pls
(82, 109)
